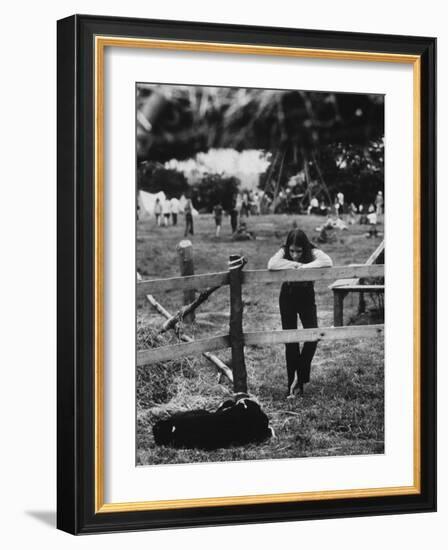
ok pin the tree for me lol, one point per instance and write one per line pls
(183, 120)
(153, 177)
(213, 189)
(356, 171)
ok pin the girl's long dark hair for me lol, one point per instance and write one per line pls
(296, 237)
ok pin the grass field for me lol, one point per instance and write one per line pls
(342, 410)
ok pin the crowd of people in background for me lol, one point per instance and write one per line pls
(362, 212)
(243, 205)
(166, 212)
(340, 213)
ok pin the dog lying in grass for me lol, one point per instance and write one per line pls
(237, 421)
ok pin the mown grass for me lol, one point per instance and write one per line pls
(342, 410)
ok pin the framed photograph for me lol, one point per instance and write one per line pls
(246, 274)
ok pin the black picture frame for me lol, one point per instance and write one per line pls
(77, 511)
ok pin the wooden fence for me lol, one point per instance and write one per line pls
(236, 339)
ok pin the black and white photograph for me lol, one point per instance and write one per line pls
(260, 252)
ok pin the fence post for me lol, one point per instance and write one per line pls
(185, 252)
(338, 297)
(236, 326)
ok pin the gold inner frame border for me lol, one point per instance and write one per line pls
(101, 42)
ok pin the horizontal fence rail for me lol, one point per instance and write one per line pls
(288, 336)
(183, 283)
(259, 276)
(176, 351)
(312, 274)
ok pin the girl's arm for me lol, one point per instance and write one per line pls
(320, 259)
(278, 262)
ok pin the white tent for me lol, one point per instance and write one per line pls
(146, 202)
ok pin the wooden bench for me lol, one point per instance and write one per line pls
(342, 287)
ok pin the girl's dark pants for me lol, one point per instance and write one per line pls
(298, 299)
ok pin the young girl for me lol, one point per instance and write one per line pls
(188, 209)
(217, 212)
(298, 299)
(158, 210)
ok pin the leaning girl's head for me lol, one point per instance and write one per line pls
(297, 247)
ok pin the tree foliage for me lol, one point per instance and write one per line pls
(213, 189)
(356, 171)
(153, 177)
(184, 120)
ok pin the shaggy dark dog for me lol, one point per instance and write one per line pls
(235, 422)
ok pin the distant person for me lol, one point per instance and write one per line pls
(175, 206)
(323, 210)
(252, 204)
(288, 200)
(257, 200)
(372, 218)
(327, 231)
(267, 202)
(158, 211)
(326, 235)
(362, 215)
(281, 202)
(335, 208)
(245, 205)
(340, 198)
(379, 203)
(352, 211)
(234, 219)
(298, 299)
(243, 234)
(313, 207)
(217, 213)
(166, 209)
(238, 205)
(188, 209)
(234, 214)
(239, 202)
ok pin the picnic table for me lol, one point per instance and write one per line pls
(342, 287)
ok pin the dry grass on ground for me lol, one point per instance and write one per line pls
(342, 411)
